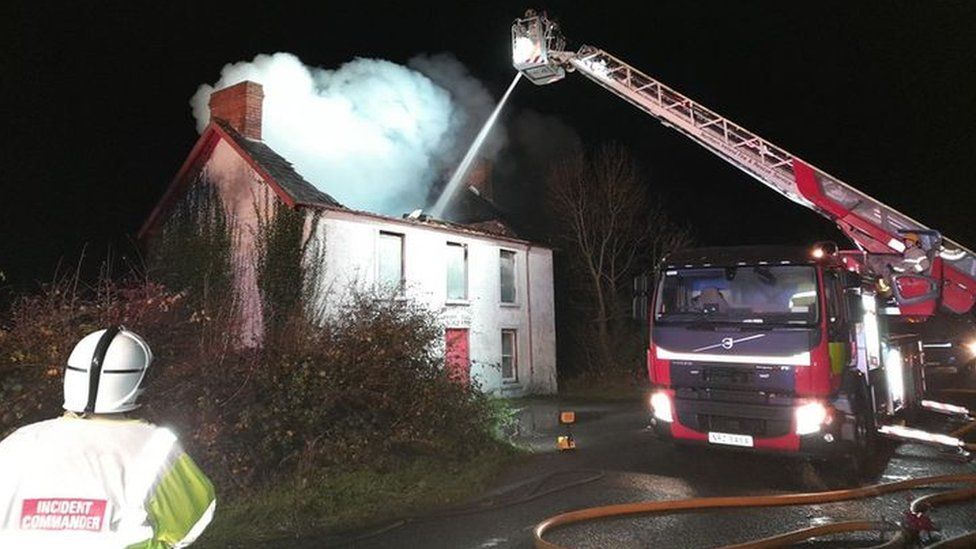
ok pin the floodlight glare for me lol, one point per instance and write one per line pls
(523, 50)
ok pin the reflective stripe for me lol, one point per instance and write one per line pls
(799, 359)
(199, 527)
(182, 503)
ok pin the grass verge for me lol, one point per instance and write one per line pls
(347, 500)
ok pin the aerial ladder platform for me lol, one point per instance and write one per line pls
(882, 233)
(937, 277)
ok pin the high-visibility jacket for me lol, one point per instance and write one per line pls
(77, 482)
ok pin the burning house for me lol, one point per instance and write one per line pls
(492, 290)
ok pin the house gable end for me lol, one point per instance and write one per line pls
(288, 186)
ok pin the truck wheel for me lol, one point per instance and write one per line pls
(851, 468)
(864, 452)
(865, 443)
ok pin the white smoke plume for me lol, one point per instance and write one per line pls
(374, 134)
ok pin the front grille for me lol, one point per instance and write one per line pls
(778, 379)
(732, 417)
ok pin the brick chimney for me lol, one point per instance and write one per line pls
(479, 177)
(240, 107)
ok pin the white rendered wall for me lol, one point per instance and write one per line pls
(241, 189)
(350, 251)
(350, 243)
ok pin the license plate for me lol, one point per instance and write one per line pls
(730, 439)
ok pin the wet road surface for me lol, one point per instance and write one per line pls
(619, 460)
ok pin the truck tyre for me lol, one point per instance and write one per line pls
(851, 468)
(863, 454)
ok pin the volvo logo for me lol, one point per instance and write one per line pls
(727, 343)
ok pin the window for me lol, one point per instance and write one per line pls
(457, 271)
(389, 270)
(509, 356)
(748, 294)
(507, 271)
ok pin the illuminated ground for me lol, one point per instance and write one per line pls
(612, 438)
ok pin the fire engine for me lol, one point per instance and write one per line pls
(774, 348)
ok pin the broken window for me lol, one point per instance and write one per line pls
(507, 270)
(389, 270)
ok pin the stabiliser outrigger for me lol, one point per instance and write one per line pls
(776, 349)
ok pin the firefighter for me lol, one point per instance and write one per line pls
(93, 477)
(915, 257)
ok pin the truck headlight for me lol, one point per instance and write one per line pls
(971, 347)
(810, 417)
(661, 406)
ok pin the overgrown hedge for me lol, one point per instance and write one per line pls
(362, 386)
(365, 388)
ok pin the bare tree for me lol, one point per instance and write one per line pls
(603, 216)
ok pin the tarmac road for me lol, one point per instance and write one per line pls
(632, 465)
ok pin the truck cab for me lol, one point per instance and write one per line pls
(773, 348)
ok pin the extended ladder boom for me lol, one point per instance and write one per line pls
(876, 228)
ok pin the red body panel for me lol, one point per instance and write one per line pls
(957, 290)
(658, 370)
(866, 234)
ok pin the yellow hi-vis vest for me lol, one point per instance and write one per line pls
(73, 482)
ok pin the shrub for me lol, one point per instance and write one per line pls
(366, 387)
(287, 264)
(193, 250)
(42, 329)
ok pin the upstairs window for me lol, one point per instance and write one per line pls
(389, 270)
(457, 272)
(507, 276)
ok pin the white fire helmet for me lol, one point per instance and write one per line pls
(106, 371)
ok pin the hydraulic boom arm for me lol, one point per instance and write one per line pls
(876, 228)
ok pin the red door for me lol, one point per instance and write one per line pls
(457, 357)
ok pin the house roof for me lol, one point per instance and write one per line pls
(290, 187)
(298, 189)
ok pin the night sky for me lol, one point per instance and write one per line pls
(881, 94)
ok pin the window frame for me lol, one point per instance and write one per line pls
(514, 355)
(380, 235)
(465, 274)
(501, 296)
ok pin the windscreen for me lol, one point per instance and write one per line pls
(761, 294)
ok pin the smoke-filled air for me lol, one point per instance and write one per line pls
(374, 134)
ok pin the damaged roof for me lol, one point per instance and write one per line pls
(290, 186)
(301, 191)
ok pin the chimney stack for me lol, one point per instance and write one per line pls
(479, 177)
(240, 107)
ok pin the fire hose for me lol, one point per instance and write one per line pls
(701, 504)
(917, 507)
(899, 538)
